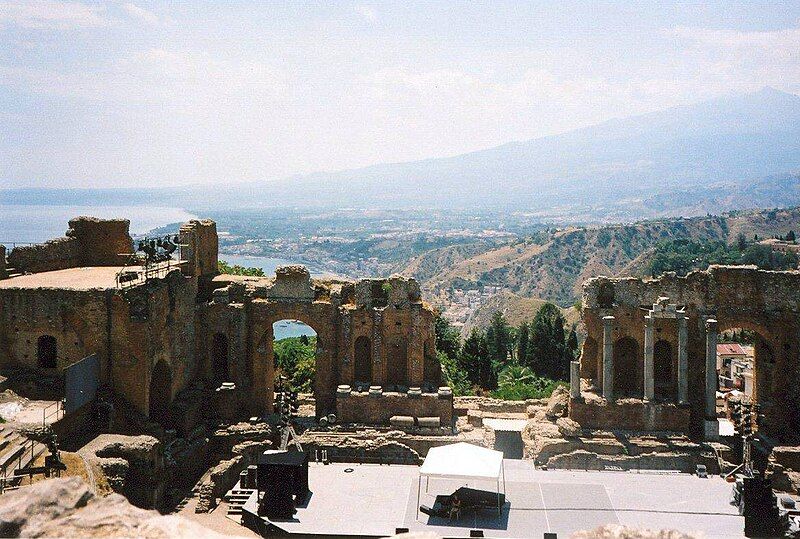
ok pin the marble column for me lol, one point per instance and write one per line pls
(711, 369)
(574, 379)
(608, 357)
(683, 361)
(649, 374)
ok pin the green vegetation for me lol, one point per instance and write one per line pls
(506, 362)
(295, 358)
(227, 269)
(683, 256)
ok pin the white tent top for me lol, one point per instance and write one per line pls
(462, 460)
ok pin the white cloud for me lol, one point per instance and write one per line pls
(367, 13)
(52, 15)
(140, 13)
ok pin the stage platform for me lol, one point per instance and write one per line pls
(372, 500)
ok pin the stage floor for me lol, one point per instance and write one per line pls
(373, 500)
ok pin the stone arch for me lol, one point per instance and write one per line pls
(627, 368)
(46, 352)
(664, 379)
(219, 359)
(160, 392)
(362, 360)
(397, 363)
(589, 364)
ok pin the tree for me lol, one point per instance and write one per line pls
(523, 340)
(454, 376)
(498, 339)
(476, 362)
(447, 337)
(790, 237)
(225, 268)
(741, 242)
(548, 350)
(572, 344)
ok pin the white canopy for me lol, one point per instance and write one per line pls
(462, 460)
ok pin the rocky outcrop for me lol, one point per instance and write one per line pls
(557, 404)
(67, 508)
(784, 468)
(132, 465)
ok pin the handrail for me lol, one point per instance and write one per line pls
(46, 414)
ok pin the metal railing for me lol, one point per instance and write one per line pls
(53, 410)
(136, 271)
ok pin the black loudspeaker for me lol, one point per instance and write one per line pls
(283, 480)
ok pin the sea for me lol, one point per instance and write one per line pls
(35, 224)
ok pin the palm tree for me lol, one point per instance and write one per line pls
(515, 374)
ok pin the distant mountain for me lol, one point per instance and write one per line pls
(728, 153)
(623, 163)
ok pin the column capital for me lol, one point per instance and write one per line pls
(608, 319)
(711, 324)
(648, 320)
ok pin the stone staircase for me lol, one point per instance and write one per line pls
(236, 498)
(15, 453)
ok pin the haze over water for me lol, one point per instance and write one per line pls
(35, 224)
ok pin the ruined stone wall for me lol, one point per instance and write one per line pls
(766, 302)
(76, 319)
(388, 313)
(88, 242)
(378, 409)
(151, 324)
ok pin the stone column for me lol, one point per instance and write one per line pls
(711, 426)
(683, 361)
(649, 374)
(574, 379)
(608, 357)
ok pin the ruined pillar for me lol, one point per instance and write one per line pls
(711, 425)
(608, 357)
(574, 379)
(683, 361)
(649, 373)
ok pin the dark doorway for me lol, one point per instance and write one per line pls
(219, 359)
(362, 372)
(160, 392)
(664, 379)
(46, 352)
(627, 375)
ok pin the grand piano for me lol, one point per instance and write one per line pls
(471, 500)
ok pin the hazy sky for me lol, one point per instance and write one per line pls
(147, 93)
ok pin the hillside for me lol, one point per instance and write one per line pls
(516, 310)
(554, 270)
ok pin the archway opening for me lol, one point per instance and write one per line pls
(362, 361)
(160, 392)
(295, 347)
(46, 352)
(627, 372)
(745, 369)
(219, 359)
(664, 371)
